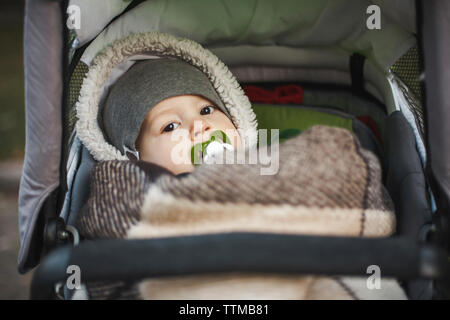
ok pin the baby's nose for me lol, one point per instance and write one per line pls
(199, 130)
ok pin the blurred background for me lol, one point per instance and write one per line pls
(12, 142)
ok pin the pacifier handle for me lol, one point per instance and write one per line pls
(198, 150)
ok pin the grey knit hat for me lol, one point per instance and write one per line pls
(140, 88)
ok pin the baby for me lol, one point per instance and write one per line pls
(160, 108)
(158, 111)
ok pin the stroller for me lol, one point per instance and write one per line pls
(350, 71)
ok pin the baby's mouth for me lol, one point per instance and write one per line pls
(206, 152)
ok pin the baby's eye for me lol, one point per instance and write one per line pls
(171, 126)
(207, 110)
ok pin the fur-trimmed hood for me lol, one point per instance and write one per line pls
(116, 58)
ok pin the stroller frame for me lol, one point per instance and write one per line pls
(400, 256)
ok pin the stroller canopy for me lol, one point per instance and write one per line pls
(309, 35)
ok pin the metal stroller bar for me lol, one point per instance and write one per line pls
(239, 252)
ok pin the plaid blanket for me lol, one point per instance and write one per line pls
(326, 184)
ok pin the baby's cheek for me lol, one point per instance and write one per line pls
(178, 151)
(179, 157)
(234, 136)
(225, 124)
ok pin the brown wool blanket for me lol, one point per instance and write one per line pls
(326, 185)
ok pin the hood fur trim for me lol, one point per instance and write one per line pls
(161, 44)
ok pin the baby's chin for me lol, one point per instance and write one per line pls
(183, 169)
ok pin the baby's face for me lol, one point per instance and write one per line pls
(176, 124)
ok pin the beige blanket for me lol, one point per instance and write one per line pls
(326, 185)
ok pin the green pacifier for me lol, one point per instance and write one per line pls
(199, 149)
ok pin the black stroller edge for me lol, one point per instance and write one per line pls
(114, 260)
